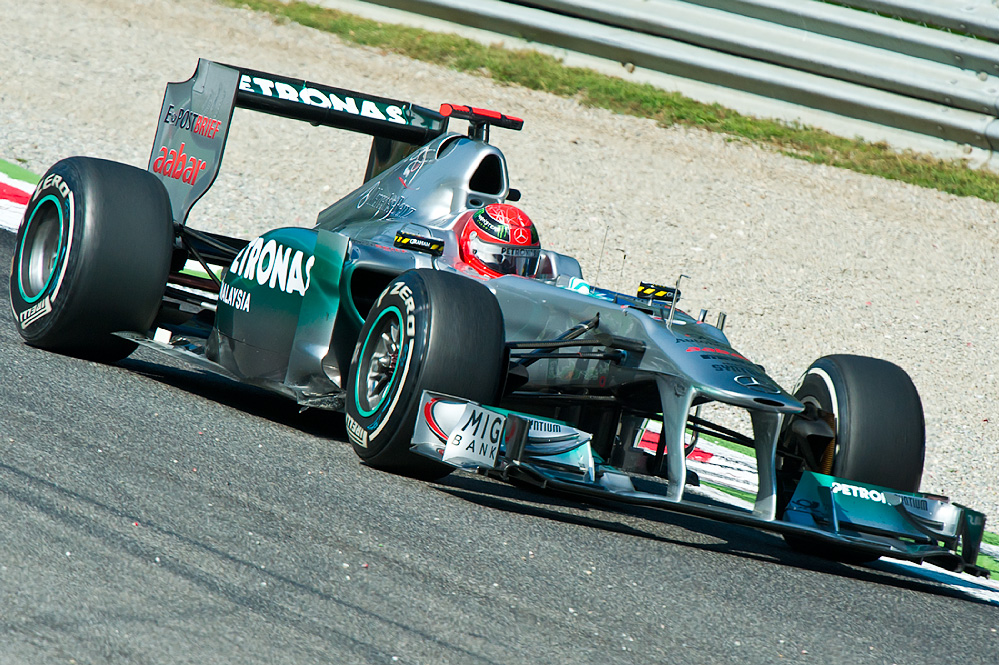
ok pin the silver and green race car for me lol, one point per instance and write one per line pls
(544, 379)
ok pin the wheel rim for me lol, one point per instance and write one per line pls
(377, 364)
(41, 248)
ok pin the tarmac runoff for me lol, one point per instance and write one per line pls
(713, 463)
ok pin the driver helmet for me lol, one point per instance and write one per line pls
(500, 239)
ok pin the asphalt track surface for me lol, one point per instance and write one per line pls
(154, 514)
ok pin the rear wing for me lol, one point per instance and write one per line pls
(196, 114)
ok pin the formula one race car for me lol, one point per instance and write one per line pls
(423, 306)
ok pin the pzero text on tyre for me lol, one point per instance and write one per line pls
(91, 257)
(429, 330)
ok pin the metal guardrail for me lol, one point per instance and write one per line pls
(973, 17)
(875, 30)
(852, 62)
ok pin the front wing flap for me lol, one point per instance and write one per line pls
(917, 523)
(470, 436)
(511, 445)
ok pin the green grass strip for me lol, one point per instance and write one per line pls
(538, 71)
(989, 564)
(986, 561)
(18, 173)
(731, 491)
(200, 272)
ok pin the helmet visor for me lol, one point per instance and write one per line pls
(506, 259)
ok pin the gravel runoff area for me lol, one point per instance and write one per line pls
(805, 260)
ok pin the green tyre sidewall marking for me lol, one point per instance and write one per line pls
(455, 346)
(395, 373)
(28, 230)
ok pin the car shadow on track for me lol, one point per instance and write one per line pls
(595, 513)
(228, 392)
(730, 539)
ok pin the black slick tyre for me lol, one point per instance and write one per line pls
(429, 330)
(91, 257)
(880, 432)
(880, 435)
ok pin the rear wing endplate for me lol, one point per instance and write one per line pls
(196, 114)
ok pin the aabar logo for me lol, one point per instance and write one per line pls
(177, 165)
(324, 99)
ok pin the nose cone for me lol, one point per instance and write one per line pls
(722, 373)
(755, 390)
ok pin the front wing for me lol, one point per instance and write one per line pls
(550, 454)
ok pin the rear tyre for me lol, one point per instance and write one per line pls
(429, 330)
(880, 432)
(91, 257)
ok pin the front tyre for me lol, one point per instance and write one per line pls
(91, 258)
(880, 436)
(880, 432)
(429, 330)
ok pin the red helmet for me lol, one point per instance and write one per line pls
(500, 240)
